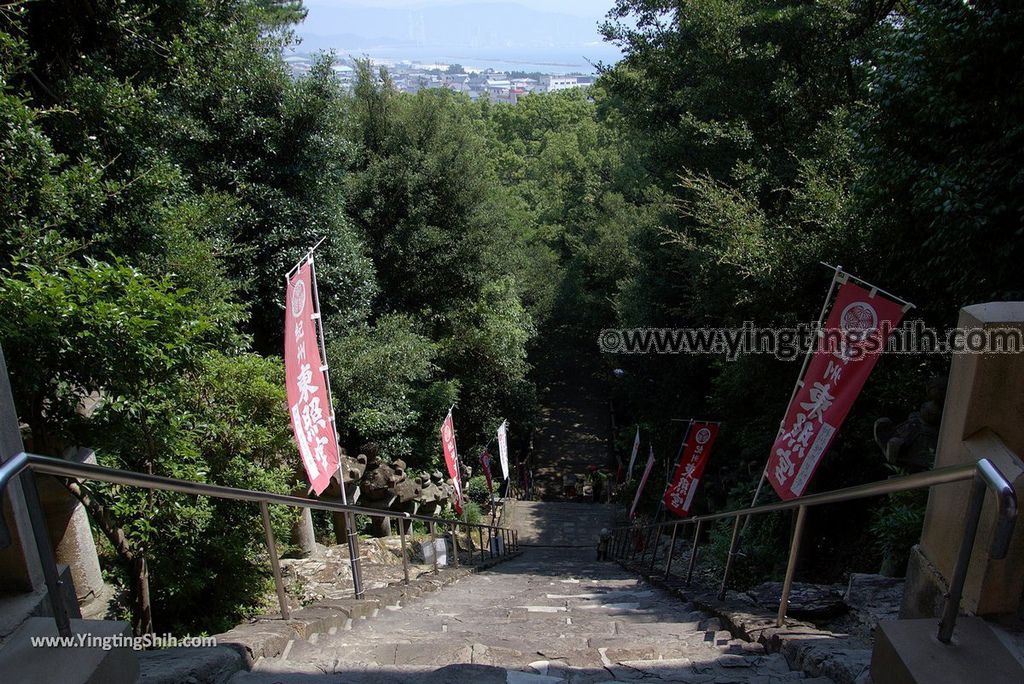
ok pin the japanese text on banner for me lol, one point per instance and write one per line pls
(308, 403)
(852, 340)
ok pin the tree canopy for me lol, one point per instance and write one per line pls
(164, 169)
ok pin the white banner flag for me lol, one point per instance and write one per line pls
(503, 448)
(632, 457)
(643, 481)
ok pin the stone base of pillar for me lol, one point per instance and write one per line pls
(924, 590)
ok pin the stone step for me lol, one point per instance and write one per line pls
(549, 615)
(450, 674)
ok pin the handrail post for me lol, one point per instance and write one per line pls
(986, 475)
(515, 539)
(480, 535)
(275, 565)
(353, 554)
(47, 559)
(405, 561)
(455, 543)
(693, 552)
(433, 546)
(794, 552)
(671, 550)
(733, 543)
(654, 548)
(490, 543)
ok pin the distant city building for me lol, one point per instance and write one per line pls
(411, 77)
(556, 83)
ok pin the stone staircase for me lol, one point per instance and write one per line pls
(552, 614)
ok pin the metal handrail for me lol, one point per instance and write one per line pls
(26, 464)
(984, 474)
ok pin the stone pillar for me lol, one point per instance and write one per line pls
(70, 532)
(303, 534)
(983, 418)
(20, 570)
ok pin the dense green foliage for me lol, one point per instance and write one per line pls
(164, 170)
(881, 136)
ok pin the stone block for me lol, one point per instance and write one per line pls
(353, 608)
(906, 651)
(256, 640)
(24, 663)
(193, 665)
(980, 419)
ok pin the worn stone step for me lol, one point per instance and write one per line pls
(550, 615)
(392, 674)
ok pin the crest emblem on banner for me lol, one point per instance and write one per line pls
(834, 374)
(858, 320)
(298, 297)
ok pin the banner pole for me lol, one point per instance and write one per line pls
(874, 288)
(679, 455)
(350, 522)
(458, 462)
(305, 257)
(837, 270)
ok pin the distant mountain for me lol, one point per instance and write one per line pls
(503, 26)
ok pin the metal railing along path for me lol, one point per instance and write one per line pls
(28, 465)
(984, 475)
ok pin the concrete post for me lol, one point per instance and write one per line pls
(983, 418)
(19, 562)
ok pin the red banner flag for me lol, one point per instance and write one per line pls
(643, 482)
(308, 404)
(679, 494)
(853, 338)
(451, 459)
(485, 463)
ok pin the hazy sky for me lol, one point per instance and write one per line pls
(544, 35)
(591, 9)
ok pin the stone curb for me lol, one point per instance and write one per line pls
(818, 653)
(267, 636)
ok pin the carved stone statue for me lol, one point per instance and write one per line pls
(911, 444)
(372, 481)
